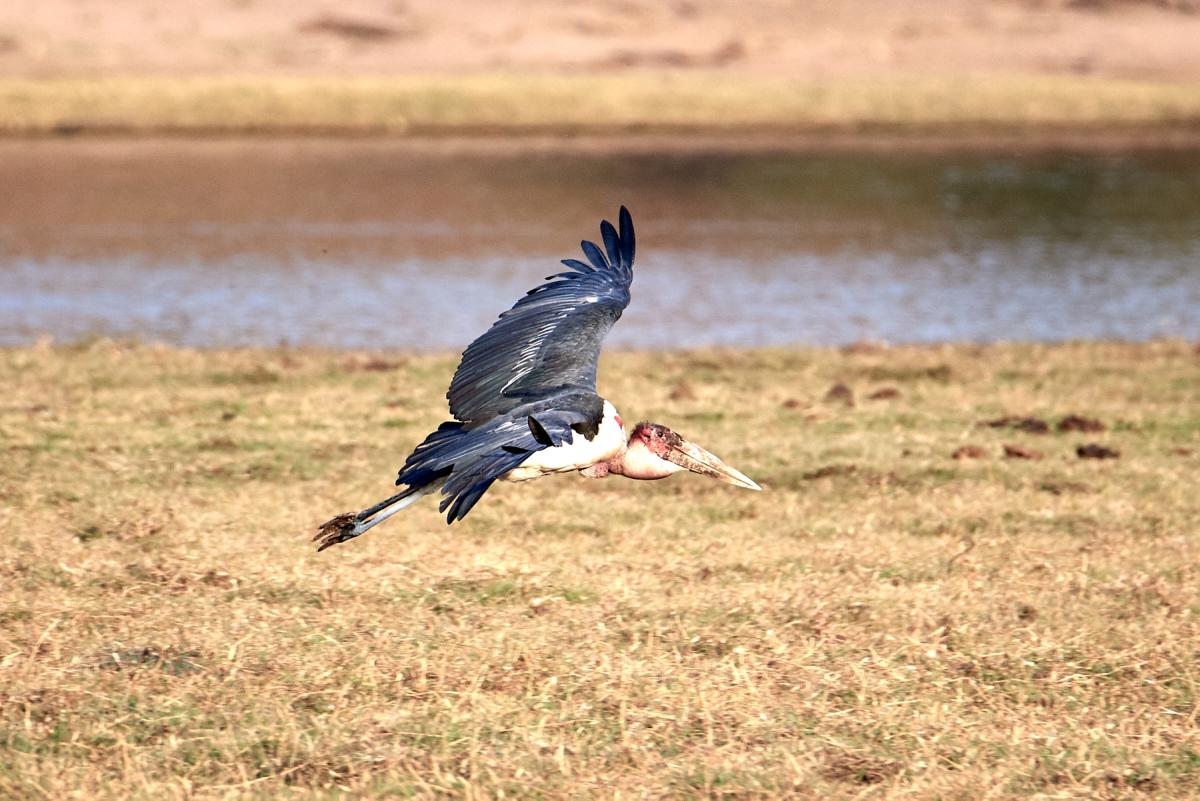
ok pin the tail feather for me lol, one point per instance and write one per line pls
(468, 460)
(463, 463)
(467, 484)
(434, 457)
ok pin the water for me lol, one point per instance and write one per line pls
(393, 244)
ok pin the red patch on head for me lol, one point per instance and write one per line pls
(617, 417)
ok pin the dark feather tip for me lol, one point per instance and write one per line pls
(594, 254)
(612, 245)
(628, 243)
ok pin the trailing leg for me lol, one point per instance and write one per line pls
(352, 524)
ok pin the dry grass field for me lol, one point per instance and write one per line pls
(883, 621)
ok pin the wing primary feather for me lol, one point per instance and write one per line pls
(594, 255)
(628, 245)
(576, 264)
(611, 243)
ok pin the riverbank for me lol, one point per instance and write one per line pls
(936, 595)
(723, 110)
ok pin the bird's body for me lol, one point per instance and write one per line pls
(525, 404)
(577, 452)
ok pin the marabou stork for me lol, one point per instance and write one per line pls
(524, 401)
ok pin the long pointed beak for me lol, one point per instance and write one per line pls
(694, 458)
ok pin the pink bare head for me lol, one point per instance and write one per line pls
(655, 451)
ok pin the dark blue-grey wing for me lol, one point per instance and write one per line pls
(467, 461)
(552, 337)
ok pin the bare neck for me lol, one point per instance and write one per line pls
(637, 462)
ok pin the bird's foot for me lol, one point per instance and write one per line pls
(338, 529)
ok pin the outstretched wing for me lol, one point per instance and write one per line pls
(551, 338)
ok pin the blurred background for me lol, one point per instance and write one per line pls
(394, 173)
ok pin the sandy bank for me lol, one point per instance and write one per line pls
(725, 110)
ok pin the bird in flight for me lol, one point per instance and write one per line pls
(525, 405)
